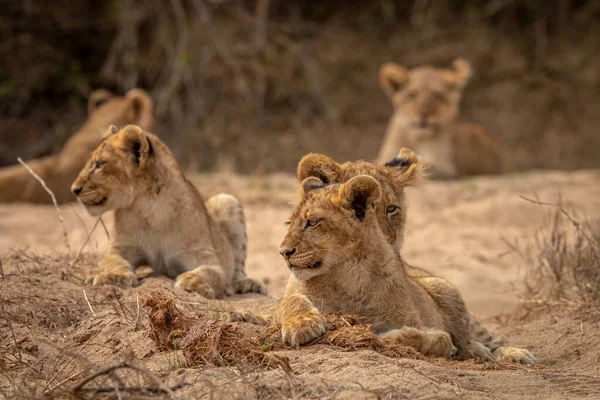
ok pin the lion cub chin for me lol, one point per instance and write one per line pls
(426, 103)
(160, 218)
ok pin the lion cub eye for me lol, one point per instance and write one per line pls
(391, 209)
(99, 164)
(312, 222)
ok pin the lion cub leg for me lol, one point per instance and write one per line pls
(515, 355)
(207, 280)
(228, 213)
(431, 342)
(114, 270)
(300, 321)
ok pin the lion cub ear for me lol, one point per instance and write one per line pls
(319, 166)
(392, 78)
(133, 140)
(310, 184)
(460, 73)
(359, 193)
(111, 130)
(140, 108)
(408, 168)
(97, 98)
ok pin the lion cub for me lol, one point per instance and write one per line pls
(426, 103)
(341, 262)
(160, 218)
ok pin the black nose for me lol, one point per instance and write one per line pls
(287, 253)
(77, 190)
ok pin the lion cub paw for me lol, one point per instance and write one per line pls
(477, 351)
(303, 328)
(249, 286)
(193, 282)
(515, 355)
(121, 278)
(243, 316)
(432, 342)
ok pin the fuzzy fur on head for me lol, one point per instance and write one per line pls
(116, 171)
(330, 223)
(404, 170)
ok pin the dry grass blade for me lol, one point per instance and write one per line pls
(47, 189)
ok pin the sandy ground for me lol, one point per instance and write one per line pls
(458, 230)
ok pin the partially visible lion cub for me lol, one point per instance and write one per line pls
(426, 103)
(160, 218)
(59, 170)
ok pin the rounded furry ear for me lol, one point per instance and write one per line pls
(97, 98)
(132, 139)
(361, 192)
(392, 77)
(460, 73)
(141, 108)
(319, 166)
(408, 166)
(112, 129)
(310, 184)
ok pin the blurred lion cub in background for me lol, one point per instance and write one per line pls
(426, 103)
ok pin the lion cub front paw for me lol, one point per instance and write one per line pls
(515, 355)
(194, 282)
(303, 328)
(249, 286)
(121, 278)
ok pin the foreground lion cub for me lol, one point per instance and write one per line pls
(426, 104)
(341, 262)
(160, 218)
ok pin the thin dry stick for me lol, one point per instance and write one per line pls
(105, 229)
(137, 318)
(88, 302)
(47, 189)
(85, 242)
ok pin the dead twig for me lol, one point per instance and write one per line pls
(160, 386)
(47, 189)
(88, 303)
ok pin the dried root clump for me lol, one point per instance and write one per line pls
(203, 339)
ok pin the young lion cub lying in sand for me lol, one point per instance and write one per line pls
(342, 263)
(160, 218)
(426, 104)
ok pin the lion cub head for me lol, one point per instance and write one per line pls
(116, 171)
(424, 98)
(404, 170)
(329, 222)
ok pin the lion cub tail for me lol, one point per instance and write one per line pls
(228, 213)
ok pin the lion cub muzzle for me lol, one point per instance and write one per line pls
(299, 259)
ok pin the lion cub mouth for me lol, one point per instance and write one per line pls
(92, 203)
(311, 265)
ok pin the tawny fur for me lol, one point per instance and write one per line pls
(426, 103)
(59, 170)
(161, 219)
(404, 170)
(335, 234)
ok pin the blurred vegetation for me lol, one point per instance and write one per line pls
(253, 85)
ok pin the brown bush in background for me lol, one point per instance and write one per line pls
(253, 85)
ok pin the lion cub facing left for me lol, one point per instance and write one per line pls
(160, 218)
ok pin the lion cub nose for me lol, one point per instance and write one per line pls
(287, 253)
(76, 189)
